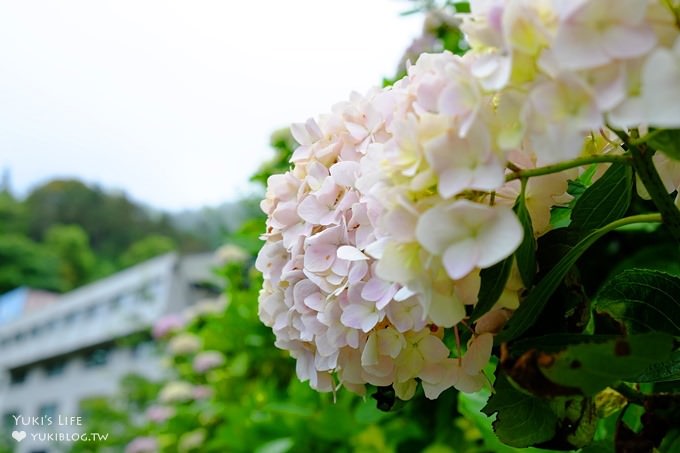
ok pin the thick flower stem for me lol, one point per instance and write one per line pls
(654, 217)
(644, 167)
(578, 162)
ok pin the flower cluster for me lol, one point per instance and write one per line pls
(142, 445)
(207, 360)
(397, 199)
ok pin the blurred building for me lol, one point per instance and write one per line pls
(57, 350)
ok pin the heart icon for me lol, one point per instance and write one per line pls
(19, 435)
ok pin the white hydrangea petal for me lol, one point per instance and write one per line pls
(345, 173)
(409, 364)
(460, 258)
(575, 50)
(470, 383)
(370, 355)
(349, 253)
(500, 237)
(438, 227)
(398, 263)
(319, 257)
(436, 378)
(661, 90)
(446, 310)
(390, 342)
(628, 41)
(360, 315)
(405, 390)
(432, 349)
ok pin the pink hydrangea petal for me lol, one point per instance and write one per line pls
(478, 353)
(320, 257)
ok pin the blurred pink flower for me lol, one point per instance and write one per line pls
(142, 445)
(168, 324)
(202, 392)
(207, 360)
(159, 414)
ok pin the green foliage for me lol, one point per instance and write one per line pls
(66, 234)
(116, 417)
(664, 256)
(71, 245)
(493, 283)
(522, 420)
(560, 216)
(12, 214)
(112, 221)
(24, 262)
(662, 371)
(610, 284)
(642, 301)
(671, 442)
(532, 306)
(593, 366)
(526, 253)
(147, 248)
(605, 201)
(666, 141)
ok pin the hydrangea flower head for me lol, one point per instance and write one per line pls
(398, 198)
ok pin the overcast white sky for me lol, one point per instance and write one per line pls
(174, 101)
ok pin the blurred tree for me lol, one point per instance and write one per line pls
(26, 263)
(70, 243)
(13, 214)
(147, 248)
(112, 221)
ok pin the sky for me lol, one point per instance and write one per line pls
(174, 101)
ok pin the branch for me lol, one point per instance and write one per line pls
(646, 171)
(578, 162)
(632, 395)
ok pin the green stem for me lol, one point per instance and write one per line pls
(632, 395)
(529, 310)
(654, 217)
(644, 167)
(674, 10)
(645, 139)
(578, 162)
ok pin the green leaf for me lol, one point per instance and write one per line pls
(664, 256)
(556, 342)
(276, 446)
(599, 447)
(462, 7)
(578, 419)
(526, 253)
(531, 307)
(666, 141)
(606, 200)
(366, 413)
(668, 370)
(560, 216)
(470, 407)
(593, 366)
(522, 420)
(643, 300)
(671, 442)
(493, 283)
